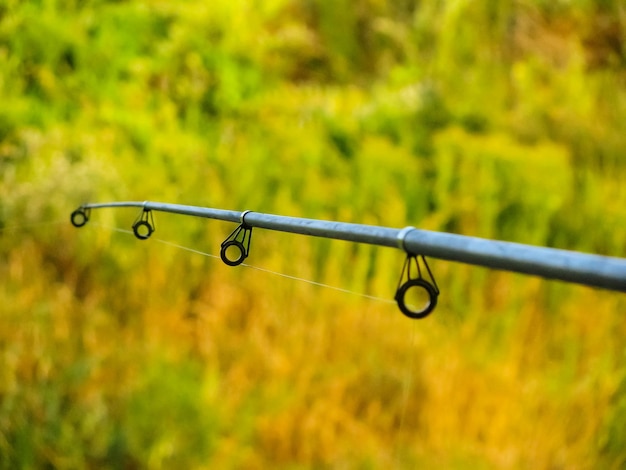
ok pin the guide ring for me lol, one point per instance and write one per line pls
(242, 253)
(79, 217)
(416, 283)
(142, 223)
(412, 281)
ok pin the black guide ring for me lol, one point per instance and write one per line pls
(416, 282)
(144, 226)
(239, 259)
(137, 226)
(239, 238)
(80, 217)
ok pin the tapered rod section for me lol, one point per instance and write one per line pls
(550, 263)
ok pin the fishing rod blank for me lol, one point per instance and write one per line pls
(550, 263)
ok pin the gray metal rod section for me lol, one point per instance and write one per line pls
(550, 263)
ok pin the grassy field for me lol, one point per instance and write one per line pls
(502, 120)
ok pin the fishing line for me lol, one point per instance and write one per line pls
(236, 247)
(320, 284)
(257, 268)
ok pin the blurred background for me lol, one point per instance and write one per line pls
(498, 119)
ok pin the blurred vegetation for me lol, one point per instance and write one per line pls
(495, 119)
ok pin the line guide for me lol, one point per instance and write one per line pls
(550, 263)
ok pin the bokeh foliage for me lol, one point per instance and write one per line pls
(500, 119)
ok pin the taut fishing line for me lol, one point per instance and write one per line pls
(257, 268)
(236, 247)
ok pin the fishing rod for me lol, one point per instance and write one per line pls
(550, 263)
